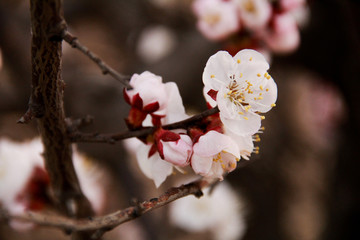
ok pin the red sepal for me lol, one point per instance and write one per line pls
(152, 150)
(156, 119)
(34, 195)
(151, 107)
(135, 118)
(212, 93)
(137, 102)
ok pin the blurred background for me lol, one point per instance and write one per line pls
(304, 183)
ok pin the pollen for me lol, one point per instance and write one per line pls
(246, 118)
(262, 117)
(237, 159)
(250, 59)
(259, 98)
(223, 166)
(259, 75)
(261, 87)
(273, 104)
(267, 76)
(238, 61)
(241, 113)
(241, 75)
(212, 76)
(233, 165)
(267, 89)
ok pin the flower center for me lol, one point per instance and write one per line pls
(212, 19)
(249, 6)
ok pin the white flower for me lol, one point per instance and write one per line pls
(18, 163)
(254, 14)
(284, 36)
(244, 89)
(219, 212)
(217, 19)
(214, 155)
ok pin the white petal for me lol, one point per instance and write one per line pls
(154, 167)
(267, 98)
(142, 158)
(201, 165)
(175, 110)
(245, 143)
(214, 142)
(250, 58)
(160, 169)
(218, 69)
(246, 124)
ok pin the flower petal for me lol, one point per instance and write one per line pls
(201, 165)
(214, 142)
(175, 110)
(264, 98)
(246, 124)
(218, 69)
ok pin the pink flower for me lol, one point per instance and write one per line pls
(254, 14)
(288, 5)
(217, 19)
(214, 155)
(177, 152)
(284, 36)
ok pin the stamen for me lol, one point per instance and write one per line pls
(212, 76)
(273, 105)
(238, 61)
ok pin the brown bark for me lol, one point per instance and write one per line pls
(47, 105)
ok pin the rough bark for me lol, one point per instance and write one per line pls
(46, 104)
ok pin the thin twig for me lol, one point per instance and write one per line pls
(108, 222)
(106, 69)
(77, 136)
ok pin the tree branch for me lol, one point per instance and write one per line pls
(77, 136)
(47, 96)
(106, 69)
(108, 222)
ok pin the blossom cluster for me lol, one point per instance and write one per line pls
(259, 24)
(239, 86)
(25, 183)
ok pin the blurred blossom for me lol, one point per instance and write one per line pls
(217, 19)
(218, 211)
(155, 43)
(18, 162)
(319, 109)
(254, 14)
(24, 182)
(284, 35)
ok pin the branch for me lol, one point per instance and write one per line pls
(108, 222)
(77, 136)
(106, 69)
(47, 95)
